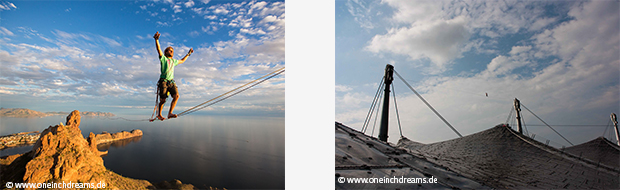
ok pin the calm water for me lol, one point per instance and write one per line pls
(233, 152)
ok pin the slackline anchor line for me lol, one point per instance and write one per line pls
(429, 105)
(227, 94)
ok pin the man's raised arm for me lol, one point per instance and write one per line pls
(156, 36)
(191, 50)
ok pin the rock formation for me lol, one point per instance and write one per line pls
(62, 155)
(118, 143)
(106, 137)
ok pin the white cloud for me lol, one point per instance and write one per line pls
(541, 23)
(221, 10)
(143, 7)
(111, 42)
(165, 24)
(519, 49)
(270, 18)
(83, 39)
(592, 29)
(259, 5)
(439, 41)
(415, 11)
(189, 4)
(446, 26)
(252, 31)
(198, 10)
(501, 65)
(7, 6)
(205, 1)
(177, 9)
(342, 88)
(361, 13)
(209, 29)
(66, 35)
(6, 32)
(194, 33)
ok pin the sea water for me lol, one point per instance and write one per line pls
(233, 152)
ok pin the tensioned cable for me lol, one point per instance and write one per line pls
(397, 115)
(372, 108)
(512, 122)
(510, 114)
(525, 127)
(427, 104)
(195, 108)
(117, 118)
(570, 125)
(270, 75)
(376, 115)
(606, 127)
(156, 103)
(547, 124)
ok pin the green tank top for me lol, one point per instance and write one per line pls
(167, 67)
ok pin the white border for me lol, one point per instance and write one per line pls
(310, 59)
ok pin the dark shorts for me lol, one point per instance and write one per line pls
(165, 87)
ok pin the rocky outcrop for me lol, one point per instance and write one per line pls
(118, 143)
(106, 137)
(18, 139)
(63, 155)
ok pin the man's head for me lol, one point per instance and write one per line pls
(169, 52)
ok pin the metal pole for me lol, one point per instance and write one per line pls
(615, 120)
(388, 77)
(518, 110)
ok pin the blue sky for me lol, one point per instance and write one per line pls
(560, 58)
(100, 55)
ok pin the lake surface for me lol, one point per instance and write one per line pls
(233, 152)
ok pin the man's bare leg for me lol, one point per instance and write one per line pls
(160, 107)
(172, 105)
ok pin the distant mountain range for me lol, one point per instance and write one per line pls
(23, 112)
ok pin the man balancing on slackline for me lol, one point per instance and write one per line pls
(166, 83)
